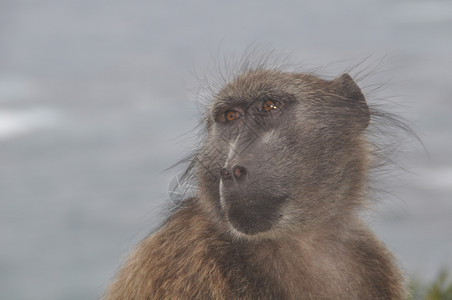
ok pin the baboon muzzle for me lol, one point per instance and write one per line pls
(249, 206)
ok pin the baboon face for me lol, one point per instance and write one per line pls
(283, 150)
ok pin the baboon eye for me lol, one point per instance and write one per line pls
(269, 105)
(232, 115)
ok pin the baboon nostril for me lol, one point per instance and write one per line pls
(225, 175)
(239, 171)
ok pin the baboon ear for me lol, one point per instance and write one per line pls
(351, 91)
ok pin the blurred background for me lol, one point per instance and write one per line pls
(98, 98)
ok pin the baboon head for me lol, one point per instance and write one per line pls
(284, 151)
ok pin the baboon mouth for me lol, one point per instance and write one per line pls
(252, 217)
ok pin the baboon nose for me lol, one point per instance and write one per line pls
(239, 172)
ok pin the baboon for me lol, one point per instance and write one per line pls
(282, 175)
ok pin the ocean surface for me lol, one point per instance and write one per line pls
(99, 98)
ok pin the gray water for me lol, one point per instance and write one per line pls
(98, 98)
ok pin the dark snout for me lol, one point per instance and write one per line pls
(250, 204)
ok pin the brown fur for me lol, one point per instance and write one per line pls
(317, 248)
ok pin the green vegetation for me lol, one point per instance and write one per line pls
(440, 289)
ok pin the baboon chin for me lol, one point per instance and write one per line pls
(251, 216)
(282, 174)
